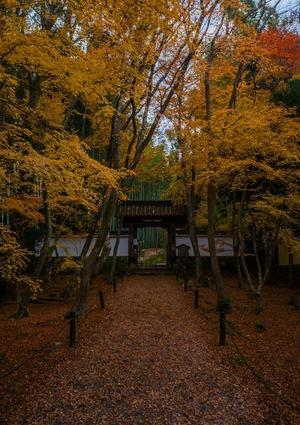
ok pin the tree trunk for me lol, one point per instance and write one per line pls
(242, 243)
(115, 252)
(243, 261)
(47, 240)
(69, 113)
(257, 295)
(34, 89)
(198, 259)
(23, 300)
(235, 241)
(211, 204)
(258, 263)
(246, 271)
(270, 252)
(113, 151)
(223, 304)
(191, 204)
(193, 228)
(258, 306)
(87, 271)
(91, 233)
(90, 236)
(23, 305)
(101, 260)
(235, 87)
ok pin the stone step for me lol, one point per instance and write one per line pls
(154, 270)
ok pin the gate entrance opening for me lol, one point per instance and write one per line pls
(152, 246)
(162, 215)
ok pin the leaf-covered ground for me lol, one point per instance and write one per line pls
(150, 358)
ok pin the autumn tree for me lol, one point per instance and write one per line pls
(46, 169)
(167, 38)
(214, 115)
(102, 77)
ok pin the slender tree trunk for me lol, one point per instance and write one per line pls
(258, 289)
(105, 215)
(211, 205)
(258, 263)
(270, 252)
(212, 196)
(191, 206)
(90, 237)
(24, 297)
(241, 241)
(91, 233)
(113, 152)
(244, 263)
(87, 271)
(47, 240)
(34, 90)
(195, 245)
(115, 251)
(69, 113)
(193, 227)
(235, 241)
(102, 258)
(235, 87)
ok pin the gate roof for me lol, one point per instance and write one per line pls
(151, 210)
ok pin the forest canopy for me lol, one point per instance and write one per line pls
(201, 97)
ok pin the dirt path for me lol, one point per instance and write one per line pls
(147, 359)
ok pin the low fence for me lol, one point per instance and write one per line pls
(227, 333)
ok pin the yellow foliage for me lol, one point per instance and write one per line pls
(13, 261)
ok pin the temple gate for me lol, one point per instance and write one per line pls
(162, 214)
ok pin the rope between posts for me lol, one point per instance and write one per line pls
(41, 349)
(213, 322)
(265, 383)
(293, 405)
(202, 311)
(38, 323)
(27, 359)
(247, 338)
(93, 308)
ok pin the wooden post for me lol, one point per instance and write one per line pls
(222, 340)
(101, 299)
(196, 302)
(72, 334)
(114, 284)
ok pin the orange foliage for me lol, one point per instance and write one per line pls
(283, 48)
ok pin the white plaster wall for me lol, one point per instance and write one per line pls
(72, 246)
(223, 245)
(122, 248)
